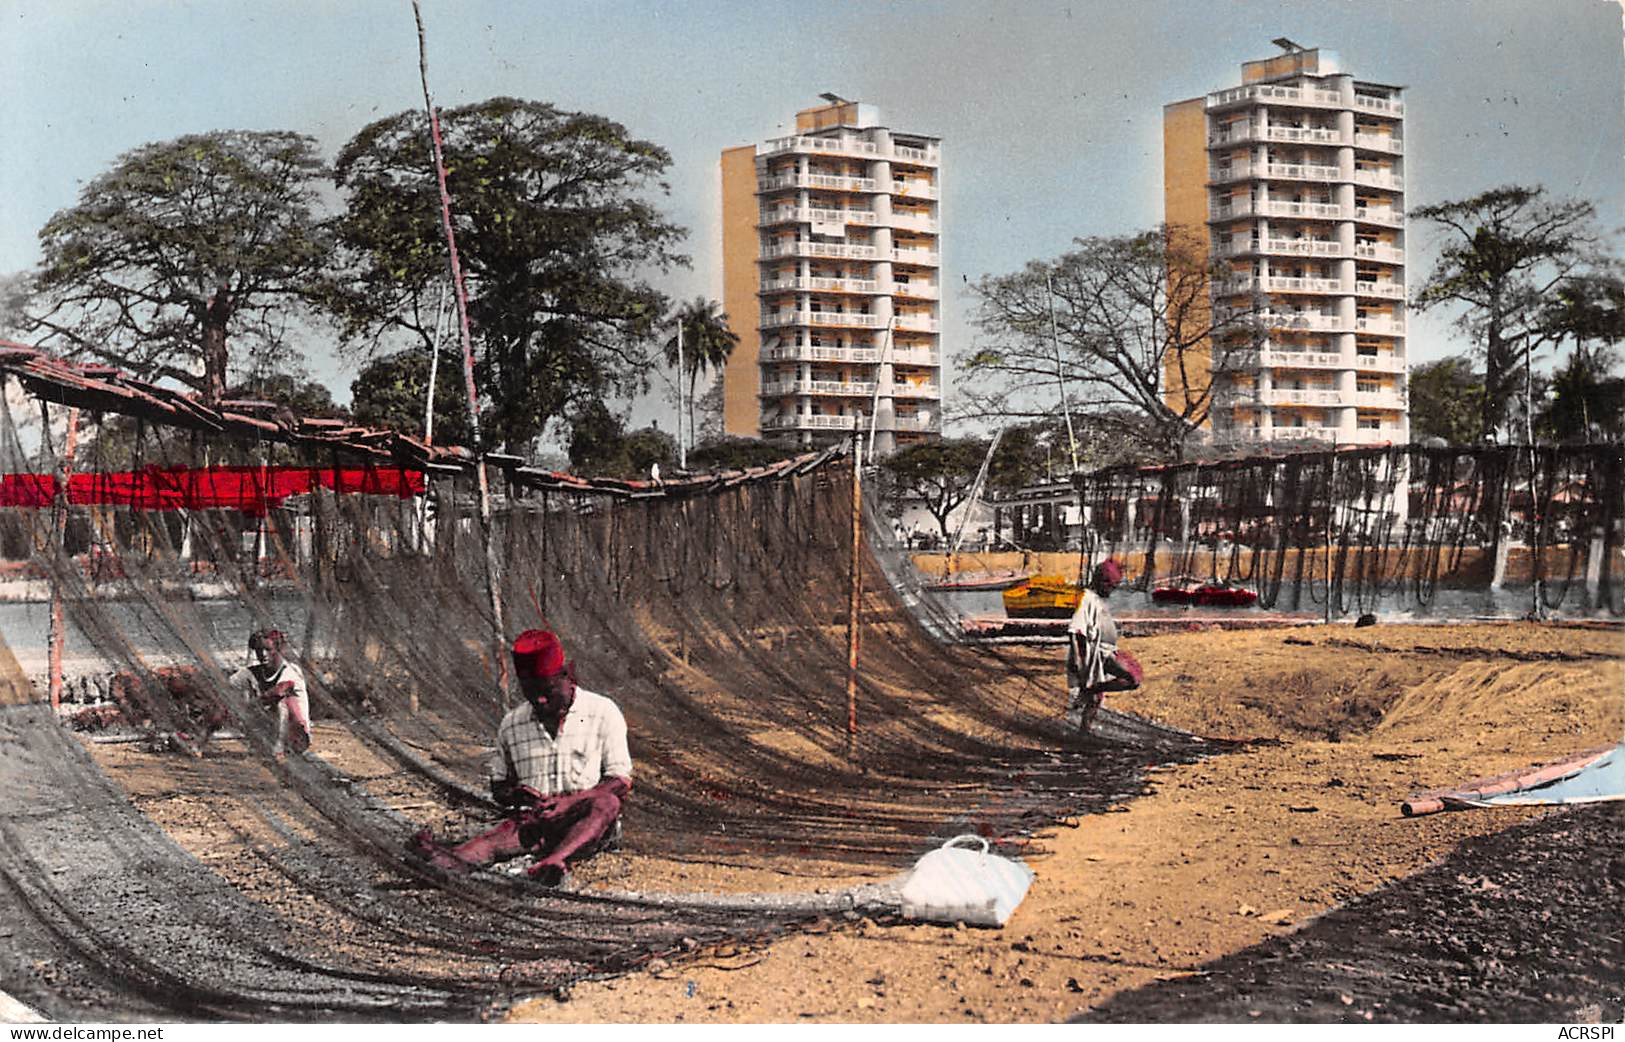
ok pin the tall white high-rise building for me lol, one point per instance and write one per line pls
(1296, 180)
(831, 279)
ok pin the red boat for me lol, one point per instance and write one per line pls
(1204, 594)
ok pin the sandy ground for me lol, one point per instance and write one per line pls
(1225, 854)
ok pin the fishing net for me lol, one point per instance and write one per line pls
(1376, 529)
(154, 536)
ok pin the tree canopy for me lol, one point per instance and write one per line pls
(1447, 400)
(601, 446)
(391, 390)
(1134, 326)
(939, 474)
(555, 234)
(1503, 253)
(188, 257)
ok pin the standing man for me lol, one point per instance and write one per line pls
(1094, 666)
(275, 681)
(561, 765)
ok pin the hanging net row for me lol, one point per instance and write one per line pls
(1376, 529)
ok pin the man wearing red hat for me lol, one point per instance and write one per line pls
(561, 764)
(1094, 666)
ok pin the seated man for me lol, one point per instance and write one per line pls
(561, 765)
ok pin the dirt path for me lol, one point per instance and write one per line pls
(1225, 853)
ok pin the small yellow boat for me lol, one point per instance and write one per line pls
(1042, 597)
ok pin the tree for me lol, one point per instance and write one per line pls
(737, 454)
(1447, 400)
(554, 233)
(186, 257)
(937, 473)
(390, 391)
(1503, 252)
(601, 446)
(707, 343)
(1587, 402)
(1135, 329)
(712, 407)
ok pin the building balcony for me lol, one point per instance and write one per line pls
(1249, 435)
(911, 356)
(1290, 320)
(811, 215)
(1379, 179)
(837, 387)
(808, 353)
(1305, 247)
(1266, 93)
(804, 283)
(1277, 284)
(1380, 215)
(1385, 326)
(928, 156)
(799, 422)
(802, 248)
(1379, 252)
(916, 290)
(1273, 171)
(1379, 399)
(821, 146)
(909, 389)
(1277, 359)
(916, 423)
(1248, 131)
(915, 190)
(1379, 363)
(827, 182)
(1386, 106)
(1391, 143)
(820, 318)
(1294, 396)
(914, 222)
(1386, 290)
(1276, 208)
(917, 323)
(924, 258)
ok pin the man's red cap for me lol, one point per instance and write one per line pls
(1110, 571)
(538, 653)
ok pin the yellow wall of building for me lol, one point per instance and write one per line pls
(1184, 207)
(740, 377)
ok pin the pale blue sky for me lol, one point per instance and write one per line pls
(1050, 112)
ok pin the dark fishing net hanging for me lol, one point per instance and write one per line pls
(713, 611)
(1379, 529)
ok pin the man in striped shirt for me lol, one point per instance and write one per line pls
(561, 765)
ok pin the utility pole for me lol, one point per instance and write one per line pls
(1060, 372)
(682, 452)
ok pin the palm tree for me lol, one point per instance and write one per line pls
(707, 343)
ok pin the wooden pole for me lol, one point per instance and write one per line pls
(59, 528)
(492, 565)
(854, 594)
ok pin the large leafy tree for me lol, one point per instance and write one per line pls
(556, 235)
(939, 474)
(1135, 331)
(601, 446)
(188, 257)
(1447, 400)
(1502, 254)
(391, 391)
(1587, 399)
(707, 343)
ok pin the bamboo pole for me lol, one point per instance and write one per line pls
(59, 528)
(854, 595)
(492, 565)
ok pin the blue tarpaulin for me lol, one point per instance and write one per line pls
(1601, 779)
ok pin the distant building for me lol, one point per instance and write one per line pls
(831, 279)
(1295, 180)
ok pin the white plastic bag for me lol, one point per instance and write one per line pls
(952, 884)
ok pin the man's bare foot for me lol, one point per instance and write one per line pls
(423, 845)
(549, 873)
